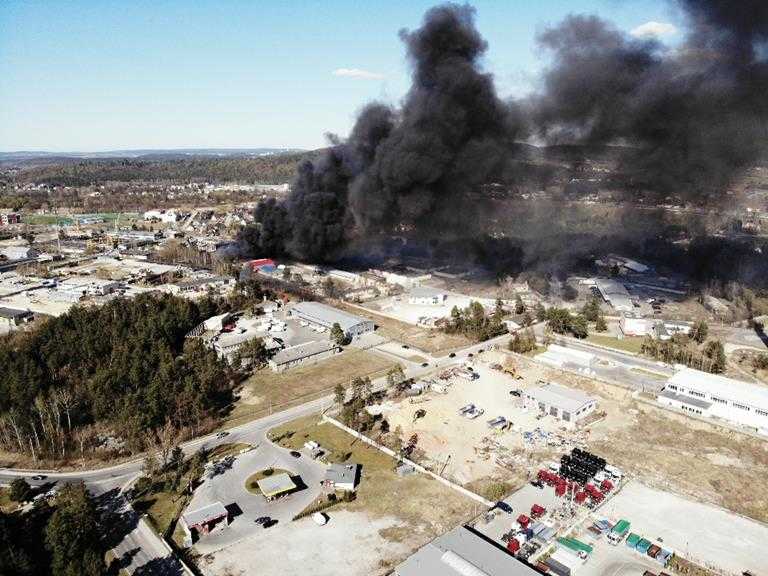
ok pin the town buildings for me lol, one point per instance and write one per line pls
(325, 316)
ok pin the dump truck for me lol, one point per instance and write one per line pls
(619, 532)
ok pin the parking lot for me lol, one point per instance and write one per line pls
(228, 487)
(704, 534)
(399, 308)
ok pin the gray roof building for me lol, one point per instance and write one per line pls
(556, 395)
(309, 351)
(463, 552)
(209, 513)
(341, 476)
(327, 316)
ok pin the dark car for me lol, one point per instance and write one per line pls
(452, 355)
(39, 477)
(424, 364)
(517, 393)
(263, 520)
(222, 434)
(295, 454)
(470, 355)
(406, 346)
(538, 483)
(504, 507)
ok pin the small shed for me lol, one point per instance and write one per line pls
(204, 520)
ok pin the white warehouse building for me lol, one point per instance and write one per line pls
(325, 316)
(568, 405)
(716, 396)
(424, 296)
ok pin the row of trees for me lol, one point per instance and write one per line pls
(63, 539)
(116, 370)
(681, 349)
(474, 323)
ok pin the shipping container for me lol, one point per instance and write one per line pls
(558, 567)
(643, 546)
(575, 545)
(632, 540)
(653, 551)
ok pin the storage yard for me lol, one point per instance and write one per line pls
(665, 450)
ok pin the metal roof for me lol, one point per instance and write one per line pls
(275, 485)
(463, 552)
(341, 473)
(721, 387)
(685, 399)
(564, 398)
(12, 313)
(205, 514)
(302, 351)
(425, 292)
(326, 315)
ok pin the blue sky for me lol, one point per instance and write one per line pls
(88, 75)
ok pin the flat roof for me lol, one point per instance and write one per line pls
(698, 403)
(275, 485)
(205, 514)
(327, 315)
(341, 473)
(426, 292)
(303, 351)
(721, 387)
(556, 395)
(12, 313)
(463, 552)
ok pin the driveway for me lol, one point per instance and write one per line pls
(229, 489)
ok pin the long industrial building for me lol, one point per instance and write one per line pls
(714, 396)
(325, 316)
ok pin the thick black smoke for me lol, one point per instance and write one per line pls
(691, 118)
(408, 169)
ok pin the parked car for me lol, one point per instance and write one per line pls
(222, 434)
(517, 393)
(39, 477)
(262, 520)
(452, 355)
(406, 346)
(504, 507)
(424, 364)
(295, 454)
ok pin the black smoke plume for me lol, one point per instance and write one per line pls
(691, 119)
(409, 169)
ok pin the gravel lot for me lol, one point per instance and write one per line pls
(350, 544)
(706, 535)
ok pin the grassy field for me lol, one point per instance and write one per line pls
(628, 344)
(422, 505)
(427, 339)
(267, 390)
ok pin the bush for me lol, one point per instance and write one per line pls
(497, 490)
(20, 490)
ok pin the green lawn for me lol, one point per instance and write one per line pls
(626, 344)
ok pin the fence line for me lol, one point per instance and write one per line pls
(419, 467)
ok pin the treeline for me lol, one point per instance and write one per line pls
(474, 323)
(273, 169)
(681, 349)
(63, 539)
(113, 372)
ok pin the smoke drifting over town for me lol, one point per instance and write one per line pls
(689, 120)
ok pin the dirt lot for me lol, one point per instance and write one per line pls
(409, 511)
(663, 449)
(427, 339)
(267, 389)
